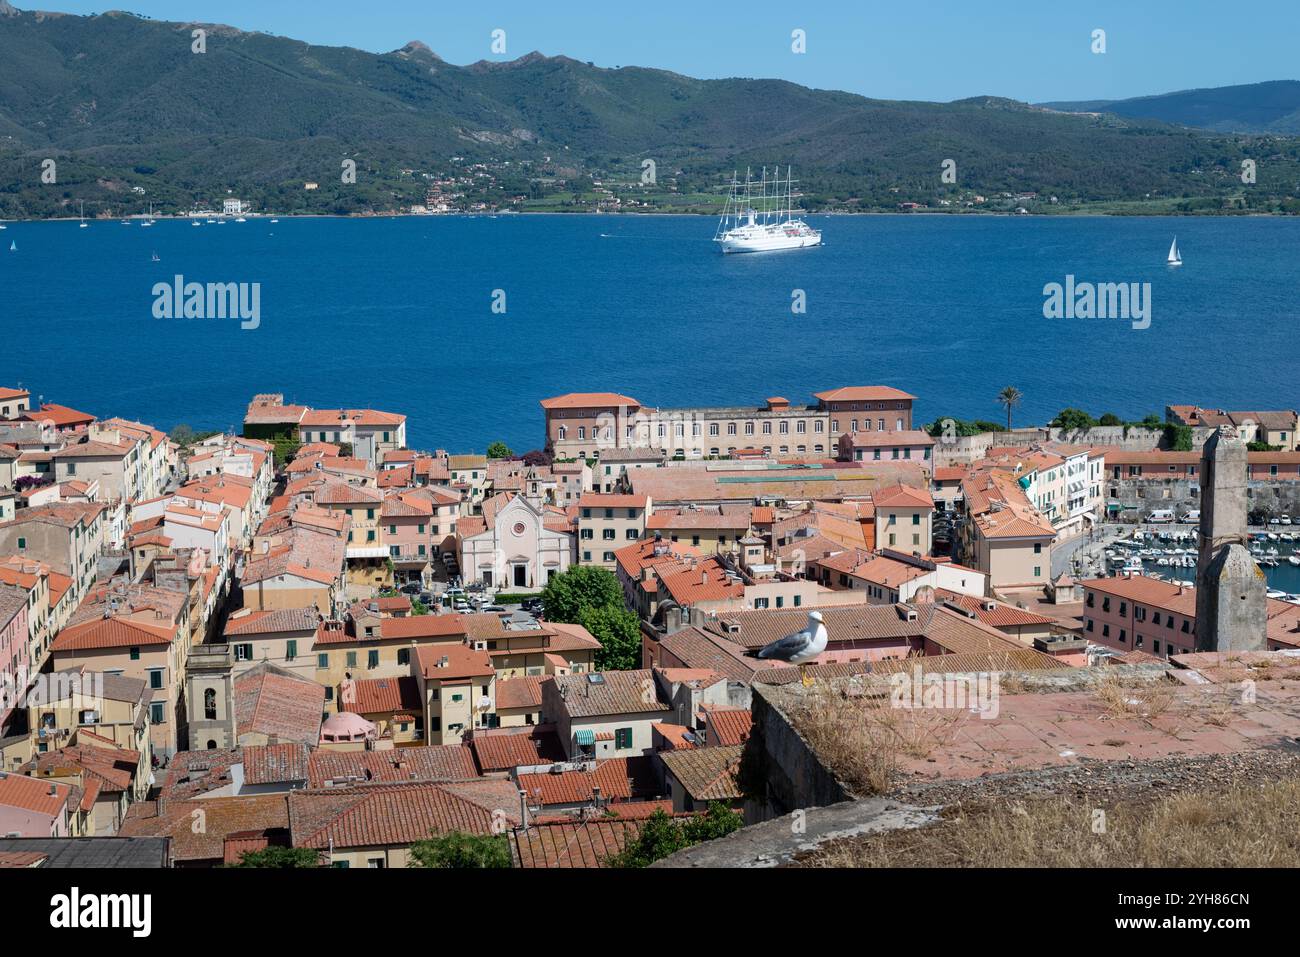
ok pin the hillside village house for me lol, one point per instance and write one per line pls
(458, 687)
(15, 646)
(148, 651)
(49, 601)
(67, 537)
(604, 714)
(14, 402)
(111, 778)
(468, 476)
(378, 647)
(608, 522)
(63, 704)
(708, 528)
(296, 568)
(369, 432)
(615, 464)
(514, 544)
(1005, 537)
(904, 518)
(585, 424)
(284, 637)
(30, 807)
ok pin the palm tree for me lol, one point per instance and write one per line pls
(1009, 398)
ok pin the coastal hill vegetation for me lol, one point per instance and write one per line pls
(131, 115)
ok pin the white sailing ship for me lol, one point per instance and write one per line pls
(760, 216)
(1175, 257)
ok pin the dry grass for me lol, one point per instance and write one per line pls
(862, 739)
(1242, 826)
(1134, 699)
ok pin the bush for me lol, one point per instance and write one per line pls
(457, 849)
(663, 835)
(568, 595)
(280, 857)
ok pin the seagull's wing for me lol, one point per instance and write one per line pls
(786, 648)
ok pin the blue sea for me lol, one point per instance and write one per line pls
(397, 314)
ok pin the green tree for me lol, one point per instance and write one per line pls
(619, 633)
(1009, 398)
(1110, 418)
(280, 857)
(1177, 438)
(499, 450)
(568, 595)
(182, 435)
(461, 850)
(1073, 420)
(662, 835)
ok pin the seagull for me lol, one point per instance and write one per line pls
(800, 647)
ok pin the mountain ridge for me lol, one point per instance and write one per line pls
(124, 105)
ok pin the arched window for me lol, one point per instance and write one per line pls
(212, 745)
(210, 704)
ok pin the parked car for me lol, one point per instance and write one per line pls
(495, 609)
(533, 605)
(411, 588)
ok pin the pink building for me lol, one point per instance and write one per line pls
(1140, 614)
(15, 649)
(37, 808)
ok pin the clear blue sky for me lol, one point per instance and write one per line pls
(1031, 50)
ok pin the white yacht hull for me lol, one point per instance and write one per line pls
(764, 240)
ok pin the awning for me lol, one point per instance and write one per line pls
(585, 736)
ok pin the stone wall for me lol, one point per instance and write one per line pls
(1137, 497)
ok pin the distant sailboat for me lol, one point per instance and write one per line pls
(84, 224)
(1175, 258)
(155, 258)
(149, 221)
(13, 247)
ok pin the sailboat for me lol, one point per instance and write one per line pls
(149, 221)
(762, 217)
(1175, 258)
(13, 247)
(84, 224)
(155, 258)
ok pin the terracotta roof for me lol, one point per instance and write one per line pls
(878, 439)
(707, 774)
(381, 695)
(727, 726)
(32, 794)
(575, 787)
(613, 692)
(505, 751)
(423, 626)
(588, 400)
(706, 580)
(222, 817)
(604, 500)
(436, 763)
(278, 704)
(379, 815)
(111, 633)
(462, 662)
(525, 692)
(275, 763)
(862, 393)
(271, 622)
(903, 496)
(1148, 591)
(581, 844)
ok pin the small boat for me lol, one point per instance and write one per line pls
(1175, 257)
(1293, 560)
(275, 220)
(156, 259)
(3, 226)
(241, 219)
(84, 224)
(196, 223)
(13, 247)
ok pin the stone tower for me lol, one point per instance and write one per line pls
(1231, 602)
(210, 697)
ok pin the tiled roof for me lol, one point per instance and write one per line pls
(436, 763)
(381, 695)
(613, 692)
(707, 774)
(222, 817)
(111, 633)
(562, 845)
(604, 500)
(423, 626)
(1001, 615)
(727, 726)
(903, 496)
(588, 400)
(1147, 591)
(272, 622)
(275, 763)
(575, 787)
(877, 439)
(380, 815)
(862, 393)
(461, 662)
(505, 751)
(278, 704)
(31, 794)
(524, 692)
(697, 648)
